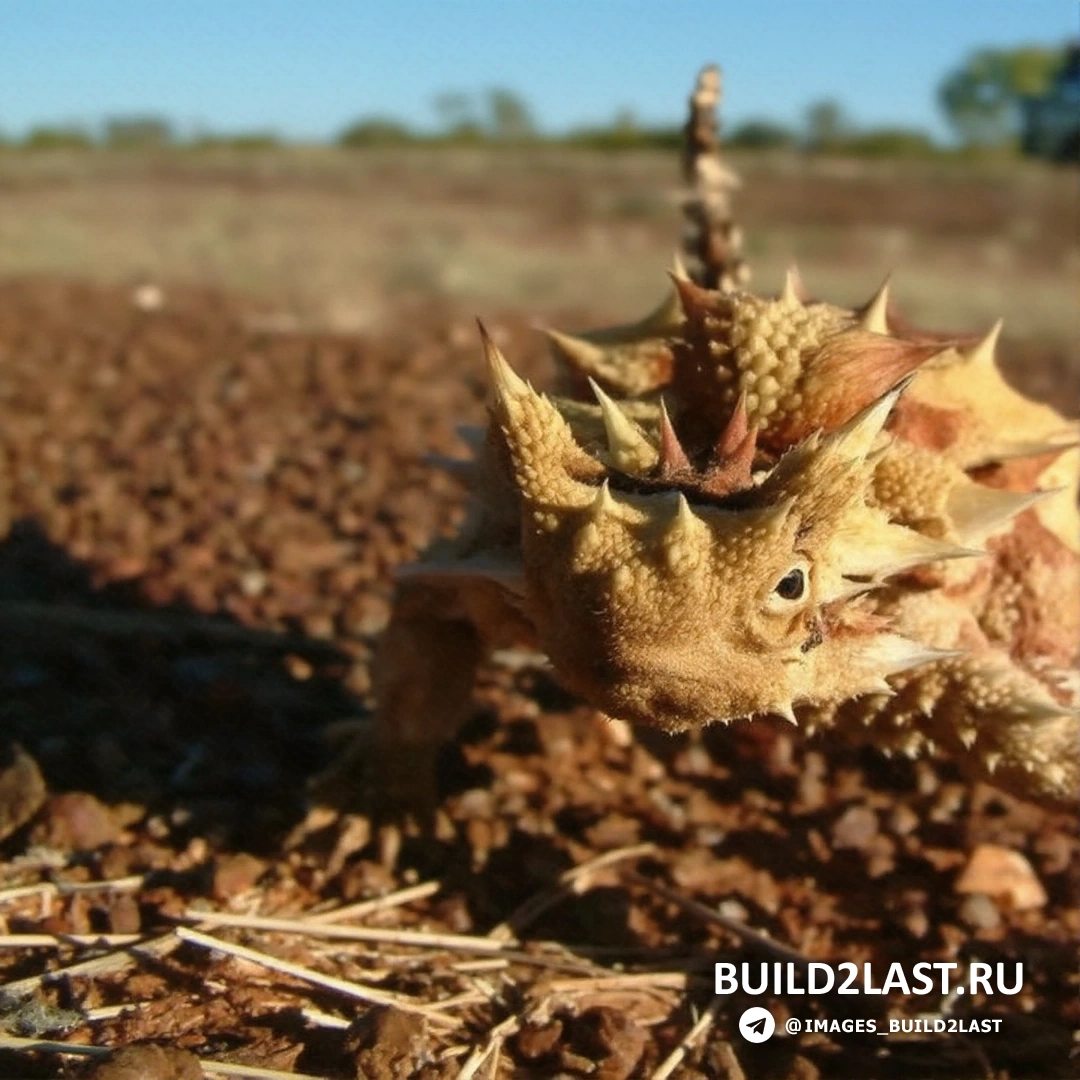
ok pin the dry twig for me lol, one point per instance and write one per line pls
(384, 935)
(572, 882)
(379, 903)
(492, 1046)
(60, 941)
(755, 938)
(100, 965)
(675, 1058)
(343, 986)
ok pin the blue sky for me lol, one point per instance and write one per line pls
(309, 68)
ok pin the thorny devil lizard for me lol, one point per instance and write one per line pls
(773, 506)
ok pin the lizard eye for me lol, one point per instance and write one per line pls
(792, 586)
(790, 591)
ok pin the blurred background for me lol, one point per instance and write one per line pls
(331, 159)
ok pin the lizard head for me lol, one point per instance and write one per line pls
(676, 593)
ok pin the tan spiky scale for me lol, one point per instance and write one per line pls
(874, 316)
(628, 448)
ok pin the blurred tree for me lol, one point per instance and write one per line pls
(137, 133)
(626, 125)
(375, 131)
(623, 133)
(509, 117)
(57, 137)
(761, 135)
(826, 125)
(458, 119)
(982, 98)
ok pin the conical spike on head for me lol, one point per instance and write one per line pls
(774, 518)
(874, 315)
(603, 503)
(1010, 449)
(673, 457)
(975, 510)
(549, 469)
(504, 380)
(683, 520)
(630, 451)
(784, 710)
(582, 354)
(693, 298)
(856, 438)
(901, 654)
(1032, 710)
(734, 472)
(678, 268)
(793, 291)
(881, 550)
(983, 352)
(735, 430)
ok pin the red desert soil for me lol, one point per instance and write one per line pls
(200, 520)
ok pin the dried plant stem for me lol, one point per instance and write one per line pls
(412, 938)
(343, 986)
(60, 941)
(322, 1019)
(14, 1042)
(754, 938)
(380, 903)
(648, 980)
(100, 965)
(422, 938)
(491, 1046)
(226, 1068)
(572, 882)
(675, 1058)
(43, 889)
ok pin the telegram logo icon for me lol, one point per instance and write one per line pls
(757, 1024)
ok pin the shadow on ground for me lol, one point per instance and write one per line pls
(196, 716)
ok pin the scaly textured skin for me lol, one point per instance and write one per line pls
(841, 522)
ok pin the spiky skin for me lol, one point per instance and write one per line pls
(835, 524)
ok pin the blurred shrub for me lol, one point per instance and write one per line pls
(509, 118)
(761, 135)
(827, 127)
(375, 131)
(624, 133)
(137, 133)
(58, 137)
